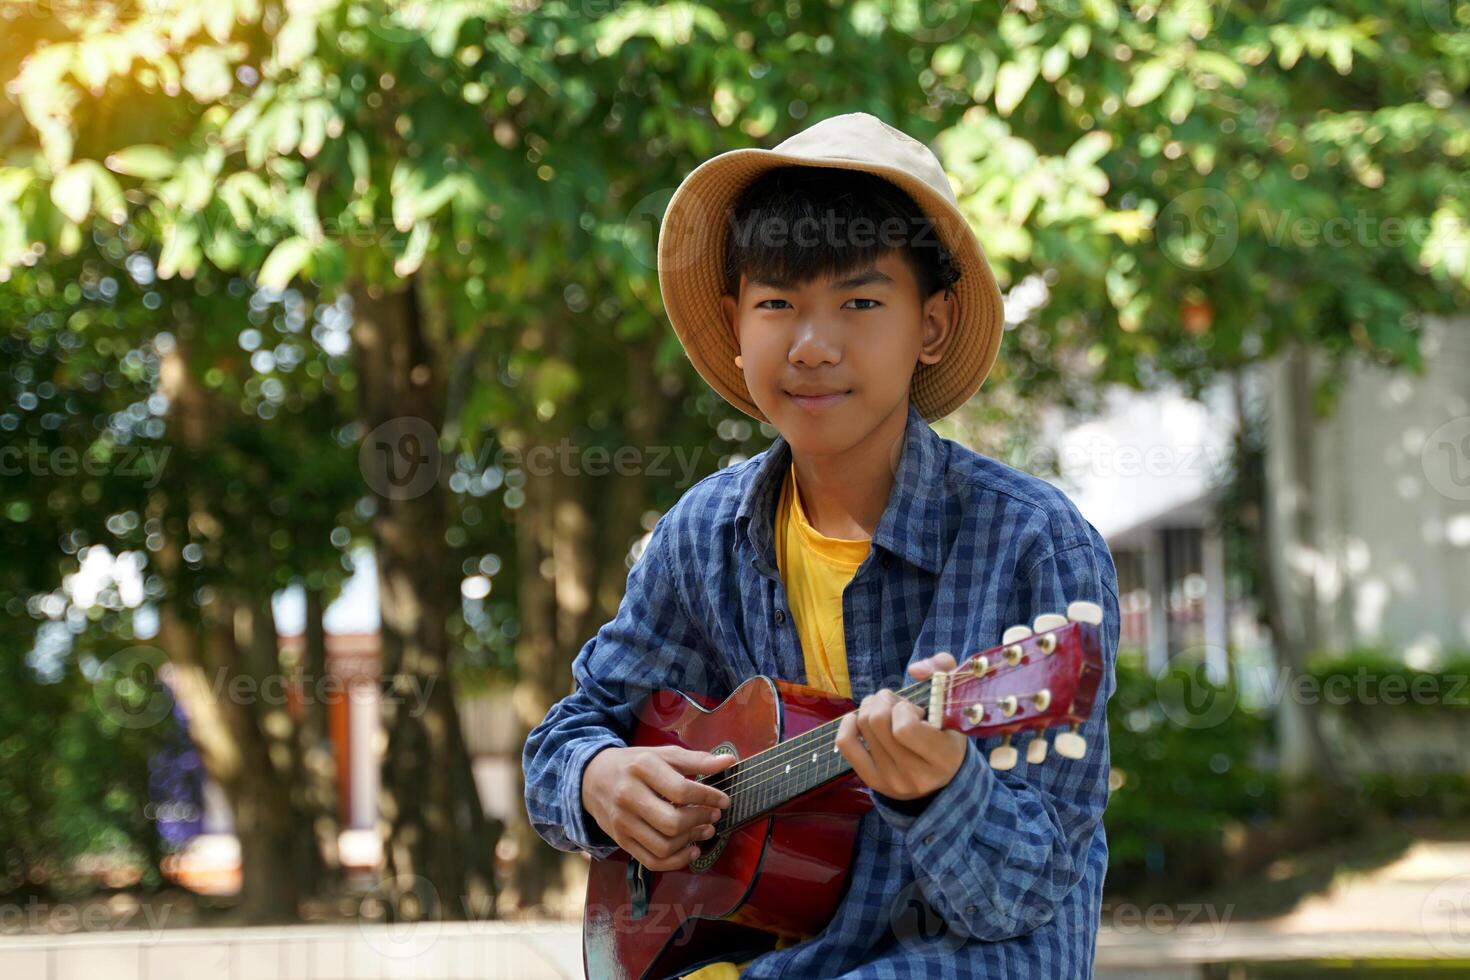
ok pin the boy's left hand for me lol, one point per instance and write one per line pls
(905, 757)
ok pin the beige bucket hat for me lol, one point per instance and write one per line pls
(691, 257)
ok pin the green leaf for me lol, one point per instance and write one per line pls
(672, 25)
(1014, 80)
(1340, 52)
(413, 251)
(329, 264)
(1179, 101)
(223, 249)
(948, 59)
(107, 195)
(1089, 149)
(451, 18)
(358, 162)
(297, 39)
(180, 252)
(314, 116)
(1219, 65)
(244, 118)
(1054, 63)
(234, 201)
(145, 161)
(413, 202)
(207, 74)
(239, 191)
(285, 261)
(1149, 82)
(555, 380)
(13, 182)
(71, 191)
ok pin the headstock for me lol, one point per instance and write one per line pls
(1040, 676)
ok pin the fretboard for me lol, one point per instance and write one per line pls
(768, 779)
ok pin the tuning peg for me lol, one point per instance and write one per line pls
(1049, 621)
(1083, 611)
(1015, 634)
(1036, 751)
(1070, 745)
(1003, 756)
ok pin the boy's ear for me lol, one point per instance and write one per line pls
(938, 319)
(728, 306)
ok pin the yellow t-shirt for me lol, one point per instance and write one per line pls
(815, 569)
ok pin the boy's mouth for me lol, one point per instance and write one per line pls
(814, 400)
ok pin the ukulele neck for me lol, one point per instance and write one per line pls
(769, 779)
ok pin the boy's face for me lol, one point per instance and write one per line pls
(829, 361)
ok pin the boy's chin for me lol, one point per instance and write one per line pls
(818, 436)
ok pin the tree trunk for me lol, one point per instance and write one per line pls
(229, 639)
(1291, 636)
(316, 766)
(578, 528)
(439, 844)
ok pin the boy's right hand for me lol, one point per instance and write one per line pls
(641, 797)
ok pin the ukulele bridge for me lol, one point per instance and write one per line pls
(637, 890)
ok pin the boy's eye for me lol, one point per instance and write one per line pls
(762, 303)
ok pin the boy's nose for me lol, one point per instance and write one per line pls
(813, 346)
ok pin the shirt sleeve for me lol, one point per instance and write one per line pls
(995, 853)
(650, 645)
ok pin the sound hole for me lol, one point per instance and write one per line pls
(711, 849)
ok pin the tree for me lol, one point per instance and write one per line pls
(230, 501)
(484, 183)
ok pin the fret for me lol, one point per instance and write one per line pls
(788, 769)
(763, 788)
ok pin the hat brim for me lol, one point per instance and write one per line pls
(691, 278)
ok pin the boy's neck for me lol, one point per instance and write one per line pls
(844, 494)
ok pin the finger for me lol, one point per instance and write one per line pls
(667, 818)
(853, 751)
(904, 759)
(911, 729)
(875, 725)
(676, 787)
(659, 844)
(693, 762)
(921, 669)
(656, 862)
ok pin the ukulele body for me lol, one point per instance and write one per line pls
(781, 874)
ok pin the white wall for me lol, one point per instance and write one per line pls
(1146, 456)
(1390, 497)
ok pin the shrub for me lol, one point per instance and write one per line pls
(1179, 779)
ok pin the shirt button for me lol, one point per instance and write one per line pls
(886, 560)
(928, 838)
(780, 617)
(969, 910)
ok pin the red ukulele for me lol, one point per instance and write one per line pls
(778, 862)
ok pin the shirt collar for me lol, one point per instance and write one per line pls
(911, 523)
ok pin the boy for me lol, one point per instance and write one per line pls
(831, 288)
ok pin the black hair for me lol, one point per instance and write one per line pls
(798, 223)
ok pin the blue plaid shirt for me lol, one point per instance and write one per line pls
(1000, 874)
